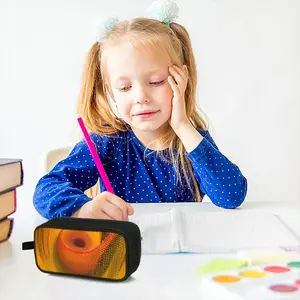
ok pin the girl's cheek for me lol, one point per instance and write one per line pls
(169, 104)
(170, 109)
(124, 111)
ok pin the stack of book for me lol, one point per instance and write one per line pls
(11, 177)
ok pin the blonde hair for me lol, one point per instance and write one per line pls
(94, 106)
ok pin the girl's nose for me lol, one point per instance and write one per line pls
(141, 96)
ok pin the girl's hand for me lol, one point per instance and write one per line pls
(105, 206)
(178, 82)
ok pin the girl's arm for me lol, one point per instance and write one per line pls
(219, 178)
(60, 193)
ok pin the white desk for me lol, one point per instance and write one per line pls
(158, 276)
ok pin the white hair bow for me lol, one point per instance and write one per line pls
(165, 11)
(105, 26)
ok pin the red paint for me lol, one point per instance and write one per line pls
(277, 269)
(298, 282)
(283, 288)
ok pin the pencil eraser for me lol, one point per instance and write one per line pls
(264, 255)
(221, 264)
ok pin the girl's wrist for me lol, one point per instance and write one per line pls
(182, 126)
(189, 136)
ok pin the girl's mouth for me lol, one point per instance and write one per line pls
(146, 114)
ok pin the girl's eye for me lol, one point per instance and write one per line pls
(156, 82)
(125, 88)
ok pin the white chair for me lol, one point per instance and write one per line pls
(56, 155)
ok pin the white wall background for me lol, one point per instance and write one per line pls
(248, 55)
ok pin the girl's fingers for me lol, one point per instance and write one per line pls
(113, 211)
(122, 205)
(181, 71)
(173, 85)
(106, 216)
(130, 209)
(179, 76)
(185, 75)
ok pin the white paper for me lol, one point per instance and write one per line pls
(158, 232)
(233, 229)
(209, 232)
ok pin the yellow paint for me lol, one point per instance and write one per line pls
(253, 274)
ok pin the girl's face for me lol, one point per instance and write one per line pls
(139, 86)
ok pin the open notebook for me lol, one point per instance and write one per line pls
(229, 230)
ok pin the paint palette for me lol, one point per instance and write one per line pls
(263, 282)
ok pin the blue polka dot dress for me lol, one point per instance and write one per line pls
(137, 175)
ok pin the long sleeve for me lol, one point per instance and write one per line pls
(61, 192)
(219, 178)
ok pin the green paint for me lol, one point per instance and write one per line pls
(294, 264)
(221, 264)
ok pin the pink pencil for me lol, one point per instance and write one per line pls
(96, 157)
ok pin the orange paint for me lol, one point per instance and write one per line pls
(226, 279)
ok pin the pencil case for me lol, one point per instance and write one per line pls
(94, 248)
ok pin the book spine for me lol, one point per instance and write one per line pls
(11, 225)
(15, 205)
(22, 173)
(10, 189)
(21, 182)
(15, 200)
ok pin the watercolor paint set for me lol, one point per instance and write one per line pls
(262, 282)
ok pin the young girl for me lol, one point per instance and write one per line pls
(156, 147)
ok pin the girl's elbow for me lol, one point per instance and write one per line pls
(42, 205)
(229, 203)
(235, 202)
(237, 197)
(40, 208)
